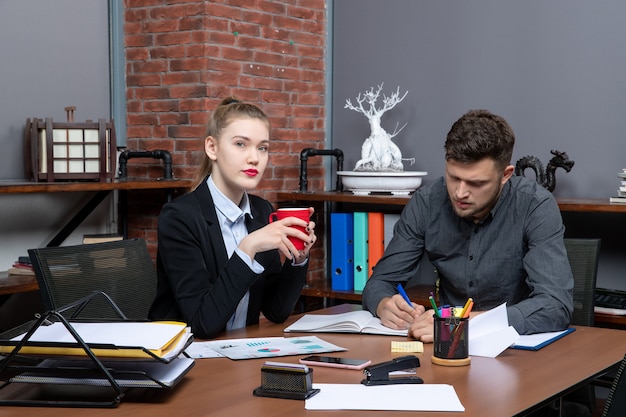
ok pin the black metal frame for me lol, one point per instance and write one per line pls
(14, 364)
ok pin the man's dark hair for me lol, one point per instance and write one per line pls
(479, 134)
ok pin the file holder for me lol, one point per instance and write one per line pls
(290, 382)
(15, 369)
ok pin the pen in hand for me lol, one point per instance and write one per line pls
(404, 295)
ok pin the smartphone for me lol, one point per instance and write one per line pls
(346, 363)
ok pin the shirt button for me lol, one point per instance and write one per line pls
(471, 257)
(471, 283)
(476, 230)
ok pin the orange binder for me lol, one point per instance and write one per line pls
(375, 238)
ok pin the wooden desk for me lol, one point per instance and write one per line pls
(508, 385)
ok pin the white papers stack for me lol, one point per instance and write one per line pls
(109, 339)
(400, 397)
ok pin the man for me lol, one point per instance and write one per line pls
(491, 236)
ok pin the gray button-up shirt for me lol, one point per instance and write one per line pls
(515, 254)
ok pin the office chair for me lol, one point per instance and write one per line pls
(123, 270)
(583, 257)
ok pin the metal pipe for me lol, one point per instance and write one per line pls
(158, 154)
(304, 156)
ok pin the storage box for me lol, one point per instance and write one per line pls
(69, 151)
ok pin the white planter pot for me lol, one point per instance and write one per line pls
(396, 183)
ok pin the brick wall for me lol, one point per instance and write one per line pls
(184, 57)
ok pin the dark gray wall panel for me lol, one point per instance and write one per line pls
(556, 70)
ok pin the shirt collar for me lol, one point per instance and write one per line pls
(225, 206)
(506, 190)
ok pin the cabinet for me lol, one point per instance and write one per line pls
(395, 203)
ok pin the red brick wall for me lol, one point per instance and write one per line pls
(184, 57)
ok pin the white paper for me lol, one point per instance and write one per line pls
(150, 335)
(490, 333)
(201, 350)
(269, 347)
(400, 397)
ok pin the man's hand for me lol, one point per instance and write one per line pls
(422, 327)
(395, 313)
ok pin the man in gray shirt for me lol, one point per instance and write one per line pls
(491, 236)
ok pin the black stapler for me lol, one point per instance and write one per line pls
(378, 374)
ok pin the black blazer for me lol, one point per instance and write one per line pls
(197, 282)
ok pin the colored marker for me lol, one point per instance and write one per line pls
(432, 303)
(466, 306)
(404, 295)
(469, 309)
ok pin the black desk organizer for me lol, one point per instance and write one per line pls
(89, 368)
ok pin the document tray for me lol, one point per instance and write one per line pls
(87, 370)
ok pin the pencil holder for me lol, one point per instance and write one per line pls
(451, 344)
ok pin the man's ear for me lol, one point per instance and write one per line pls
(508, 173)
(210, 147)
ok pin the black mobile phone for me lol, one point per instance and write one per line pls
(334, 362)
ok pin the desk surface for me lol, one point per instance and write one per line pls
(515, 381)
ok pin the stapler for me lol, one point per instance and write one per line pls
(378, 374)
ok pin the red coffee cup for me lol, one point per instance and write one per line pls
(301, 213)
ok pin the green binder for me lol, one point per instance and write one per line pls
(360, 251)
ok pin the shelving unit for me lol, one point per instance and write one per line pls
(100, 189)
(395, 203)
(587, 205)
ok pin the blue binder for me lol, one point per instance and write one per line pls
(342, 251)
(360, 251)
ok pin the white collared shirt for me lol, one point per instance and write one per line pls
(232, 221)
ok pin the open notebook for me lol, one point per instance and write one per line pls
(353, 322)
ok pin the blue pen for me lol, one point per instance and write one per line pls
(404, 295)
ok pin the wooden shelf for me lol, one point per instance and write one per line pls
(11, 284)
(610, 320)
(100, 191)
(344, 197)
(589, 205)
(27, 187)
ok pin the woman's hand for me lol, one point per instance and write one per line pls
(276, 236)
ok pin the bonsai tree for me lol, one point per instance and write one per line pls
(378, 152)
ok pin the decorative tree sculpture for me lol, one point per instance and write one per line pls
(378, 152)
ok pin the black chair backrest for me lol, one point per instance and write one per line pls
(583, 258)
(122, 269)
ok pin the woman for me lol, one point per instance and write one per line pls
(219, 260)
